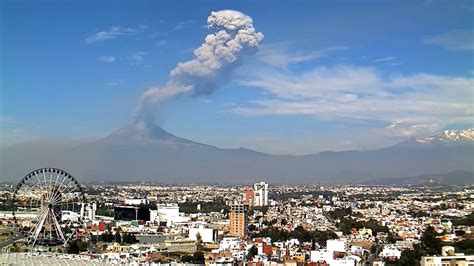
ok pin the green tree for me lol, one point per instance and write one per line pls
(465, 246)
(73, 247)
(410, 257)
(468, 220)
(198, 257)
(118, 237)
(373, 249)
(430, 242)
(252, 227)
(252, 252)
(199, 241)
(274, 233)
(187, 259)
(346, 224)
(107, 237)
(129, 238)
(322, 236)
(93, 239)
(301, 234)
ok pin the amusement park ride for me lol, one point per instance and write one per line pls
(46, 203)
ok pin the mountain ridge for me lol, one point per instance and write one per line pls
(442, 179)
(149, 153)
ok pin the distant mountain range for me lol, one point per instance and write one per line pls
(149, 153)
(447, 179)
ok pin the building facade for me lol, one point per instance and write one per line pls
(238, 220)
(260, 194)
(456, 260)
(248, 197)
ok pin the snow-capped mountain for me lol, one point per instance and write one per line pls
(463, 136)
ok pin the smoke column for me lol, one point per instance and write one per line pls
(212, 65)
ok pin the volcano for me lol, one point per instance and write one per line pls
(142, 133)
(146, 152)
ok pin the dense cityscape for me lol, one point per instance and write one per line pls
(263, 223)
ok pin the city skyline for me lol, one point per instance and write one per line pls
(426, 223)
(324, 78)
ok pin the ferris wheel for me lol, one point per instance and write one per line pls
(46, 203)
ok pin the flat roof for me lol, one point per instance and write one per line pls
(46, 259)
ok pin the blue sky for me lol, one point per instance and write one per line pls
(329, 75)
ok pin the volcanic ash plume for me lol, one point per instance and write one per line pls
(212, 65)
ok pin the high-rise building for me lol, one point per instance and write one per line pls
(238, 220)
(248, 197)
(260, 194)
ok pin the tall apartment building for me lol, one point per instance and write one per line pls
(248, 197)
(238, 220)
(260, 194)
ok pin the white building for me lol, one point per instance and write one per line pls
(260, 194)
(391, 251)
(167, 211)
(447, 250)
(336, 245)
(208, 235)
(154, 217)
(88, 211)
(318, 211)
(135, 201)
(458, 259)
(230, 243)
(346, 261)
(170, 214)
(324, 255)
(357, 249)
(91, 211)
(321, 255)
(70, 216)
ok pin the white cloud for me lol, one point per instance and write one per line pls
(279, 55)
(113, 82)
(107, 59)
(114, 32)
(385, 59)
(161, 42)
(182, 24)
(155, 34)
(319, 82)
(179, 26)
(137, 58)
(405, 129)
(456, 40)
(422, 102)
